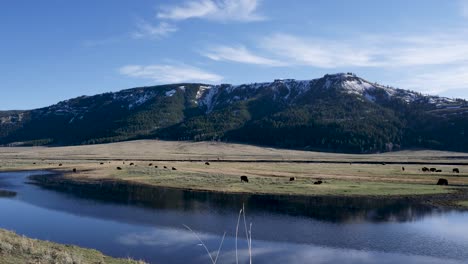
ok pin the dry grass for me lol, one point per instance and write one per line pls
(272, 177)
(19, 249)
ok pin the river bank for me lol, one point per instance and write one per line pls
(20, 249)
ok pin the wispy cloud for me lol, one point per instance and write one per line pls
(238, 54)
(166, 73)
(369, 51)
(221, 10)
(319, 53)
(147, 30)
(437, 81)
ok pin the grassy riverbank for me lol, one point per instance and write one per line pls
(269, 170)
(19, 249)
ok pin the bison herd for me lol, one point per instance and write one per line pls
(245, 179)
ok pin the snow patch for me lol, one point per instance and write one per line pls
(170, 93)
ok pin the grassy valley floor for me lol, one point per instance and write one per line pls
(269, 170)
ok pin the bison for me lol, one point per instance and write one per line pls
(403, 168)
(207, 163)
(173, 168)
(118, 168)
(432, 169)
(151, 164)
(292, 178)
(456, 170)
(425, 169)
(318, 182)
(131, 164)
(156, 166)
(442, 182)
(165, 167)
(244, 178)
(74, 169)
(438, 171)
(102, 163)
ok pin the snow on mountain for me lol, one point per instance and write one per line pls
(209, 96)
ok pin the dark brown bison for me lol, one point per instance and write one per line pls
(438, 171)
(244, 178)
(151, 164)
(292, 178)
(165, 167)
(131, 164)
(74, 169)
(432, 169)
(60, 164)
(403, 168)
(102, 163)
(425, 169)
(173, 168)
(207, 163)
(318, 182)
(156, 166)
(442, 182)
(118, 168)
(34, 163)
(456, 170)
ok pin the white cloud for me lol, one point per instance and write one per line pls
(438, 81)
(164, 73)
(147, 30)
(221, 10)
(316, 52)
(238, 54)
(370, 51)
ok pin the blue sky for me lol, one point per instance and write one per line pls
(52, 50)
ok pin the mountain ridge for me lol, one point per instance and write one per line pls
(337, 112)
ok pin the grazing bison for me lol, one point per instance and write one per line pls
(34, 163)
(173, 168)
(207, 163)
(456, 170)
(131, 164)
(403, 168)
(165, 167)
(244, 178)
(60, 164)
(442, 182)
(118, 168)
(151, 164)
(292, 178)
(425, 169)
(318, 182)
(156, 166)
(432, 169)
(102, 163)
(438, 171)
(74, 169)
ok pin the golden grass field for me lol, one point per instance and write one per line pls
(268, 169)
(16, 249)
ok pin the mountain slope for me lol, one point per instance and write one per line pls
(338, 112)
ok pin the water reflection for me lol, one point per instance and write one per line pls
(329, 209)
(147, 223)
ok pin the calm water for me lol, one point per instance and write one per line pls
(148, 224)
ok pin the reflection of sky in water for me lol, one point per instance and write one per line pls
(270, 252)
(156, 234)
